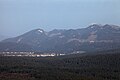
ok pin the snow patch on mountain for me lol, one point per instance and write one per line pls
(40, 31)
(19, 40)
(93, 25)
(62, 36)
(54, 34)
(73, 39)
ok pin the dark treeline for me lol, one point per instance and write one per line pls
(103, 65)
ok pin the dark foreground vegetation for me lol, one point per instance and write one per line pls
(105, 66)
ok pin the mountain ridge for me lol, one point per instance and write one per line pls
(93, 37)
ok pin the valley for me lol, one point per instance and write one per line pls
(102, 65)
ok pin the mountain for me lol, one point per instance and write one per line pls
(92, 38)
(2, 37)
(12, 47)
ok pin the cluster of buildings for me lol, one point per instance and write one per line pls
(29, 54)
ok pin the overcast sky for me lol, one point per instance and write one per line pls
(20, 16)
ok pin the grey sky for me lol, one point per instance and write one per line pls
(20, 16)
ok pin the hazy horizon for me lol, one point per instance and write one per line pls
(20, 16)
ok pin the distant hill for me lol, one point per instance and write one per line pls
(95, 37)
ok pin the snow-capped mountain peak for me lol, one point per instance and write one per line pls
(95, 25)
(39, 30)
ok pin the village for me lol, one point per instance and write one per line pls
(29, 54)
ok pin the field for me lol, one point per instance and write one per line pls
(92, 66)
